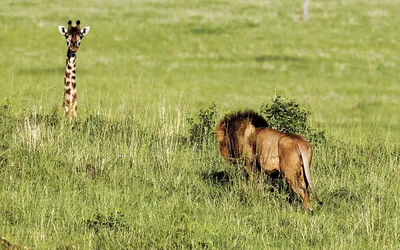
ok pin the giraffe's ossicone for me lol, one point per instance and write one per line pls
(74, 37)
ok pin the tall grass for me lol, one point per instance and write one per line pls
(133, 181)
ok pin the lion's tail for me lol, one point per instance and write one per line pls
(307, 171)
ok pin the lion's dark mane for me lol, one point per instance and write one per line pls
(256, 119)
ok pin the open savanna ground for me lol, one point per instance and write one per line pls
(129, 173)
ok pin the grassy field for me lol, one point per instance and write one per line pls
(124, 175)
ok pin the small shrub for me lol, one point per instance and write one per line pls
(113, 222)
(202, 127)
(287, 116)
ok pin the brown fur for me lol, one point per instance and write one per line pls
(233, 133)
(244, 135)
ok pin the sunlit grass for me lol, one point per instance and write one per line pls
(124, 175)
(133, 180)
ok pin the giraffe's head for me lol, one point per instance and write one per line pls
(73, 35)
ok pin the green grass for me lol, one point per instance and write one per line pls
(144, 68)
(166, 192)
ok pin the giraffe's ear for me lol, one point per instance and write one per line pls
(62, 30)
(85, 31)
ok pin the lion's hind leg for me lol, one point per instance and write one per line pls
(292, 170)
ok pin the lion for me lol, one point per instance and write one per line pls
(245, 137)
(233, 134)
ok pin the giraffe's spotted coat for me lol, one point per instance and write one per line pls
(74, 37)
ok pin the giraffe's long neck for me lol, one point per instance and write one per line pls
(70, 96)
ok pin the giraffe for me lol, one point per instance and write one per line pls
(74, 37)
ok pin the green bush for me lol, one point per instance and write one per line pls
(202, 127)
(112, 222)
(287, 116)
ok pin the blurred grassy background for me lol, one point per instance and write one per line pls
(342, 62)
